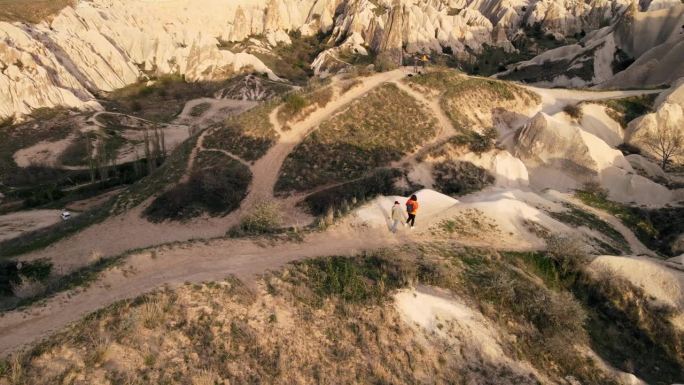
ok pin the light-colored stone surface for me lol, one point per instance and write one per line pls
(102, 45)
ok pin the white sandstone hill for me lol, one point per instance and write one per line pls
(102, 45)
(641, 49)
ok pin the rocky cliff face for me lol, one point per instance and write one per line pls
(639, 49)
(102, 45)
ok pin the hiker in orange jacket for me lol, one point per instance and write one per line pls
(412, 210)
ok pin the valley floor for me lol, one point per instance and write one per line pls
(190, 255)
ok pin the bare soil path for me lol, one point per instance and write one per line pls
(175, 265)
(129, 231)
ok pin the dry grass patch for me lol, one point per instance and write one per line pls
(200, 109)
(248, 135)
(375, 130)
(472, 103)
(329, 320)
(31, 11)
(298, 106)
(217, 186)
(456, 178)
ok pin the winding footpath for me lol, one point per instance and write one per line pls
(214, 259)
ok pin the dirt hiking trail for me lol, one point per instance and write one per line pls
(130, 231)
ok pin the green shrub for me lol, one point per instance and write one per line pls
(457, 178)
(627, 109)
(368, 279)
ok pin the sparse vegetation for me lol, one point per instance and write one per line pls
(341, 309)
(288, 61)
(298, 105)
(169, 173)
(666, 141)
(264, 219)
(462, 97)
(374, 131)
(658, 229)
(200, 109)
(573, 110)
(338, 200)
(216, 186)
(457, 178)
(476, 142)
(248, 135)
(627, 109)
(576, 217)
(161, 99)
(53, 283)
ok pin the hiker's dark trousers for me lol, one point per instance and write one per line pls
(411, 219)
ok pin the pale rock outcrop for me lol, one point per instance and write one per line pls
(596, 121)
(646, 167)
(101, 45)
(509, 171)
(563, 156)
(654, 40)
(669, 115)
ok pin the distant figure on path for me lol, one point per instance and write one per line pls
(412, 209)
(397, 216)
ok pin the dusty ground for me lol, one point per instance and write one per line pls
(14, 224)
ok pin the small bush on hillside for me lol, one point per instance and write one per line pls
(367, 280)
(476, 142)
(574, 111)
(384, 62)
(293, 103)
(457, 178)
(627, 109)
(265, 218)
(298, 105)
(568, 252)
